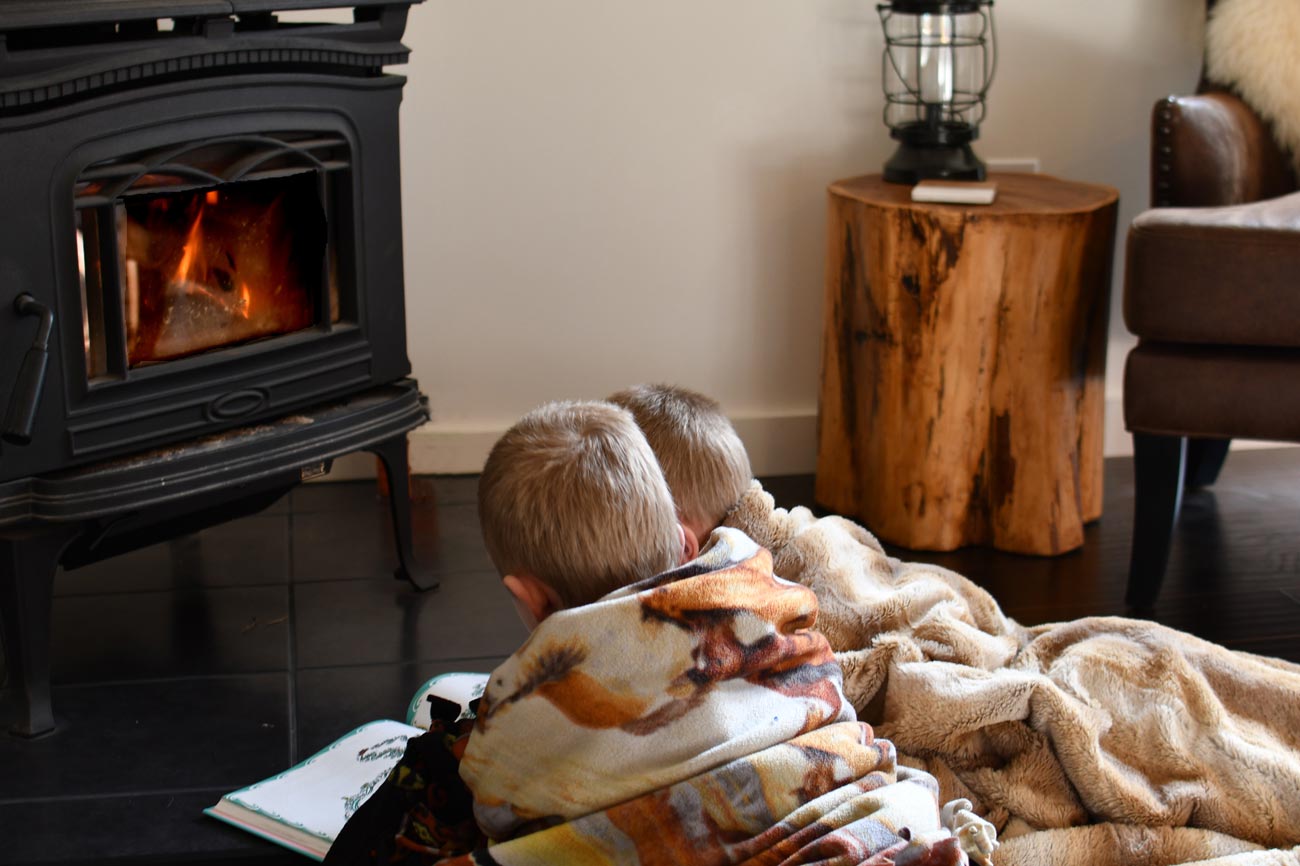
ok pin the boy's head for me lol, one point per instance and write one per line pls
(573, 505)
(703, 459)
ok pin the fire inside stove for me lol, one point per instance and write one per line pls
(203, 269)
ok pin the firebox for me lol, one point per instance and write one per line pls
(179, 271)
(211, 212)
(201, 289)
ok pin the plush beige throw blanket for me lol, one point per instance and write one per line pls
(1111, 722)
(693, 718)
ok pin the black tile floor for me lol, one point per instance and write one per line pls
(188, 669)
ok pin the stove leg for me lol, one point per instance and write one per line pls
(27, 567)
(393, 454)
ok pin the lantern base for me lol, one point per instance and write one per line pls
(912, 163)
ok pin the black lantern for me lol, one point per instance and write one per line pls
(938, 63)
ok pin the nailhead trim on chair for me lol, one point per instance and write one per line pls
(1164, 152)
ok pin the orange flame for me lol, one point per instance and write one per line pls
(190, 272)
(190, 250)
(203, 255)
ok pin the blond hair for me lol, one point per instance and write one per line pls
(573, 495)
(703, 459)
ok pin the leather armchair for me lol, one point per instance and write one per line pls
(1212, 291)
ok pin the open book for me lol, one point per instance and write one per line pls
(305, 807)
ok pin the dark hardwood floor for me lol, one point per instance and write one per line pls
(188, 669)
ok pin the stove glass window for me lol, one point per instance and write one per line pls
(169, 268)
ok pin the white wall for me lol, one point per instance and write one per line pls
(600, 193)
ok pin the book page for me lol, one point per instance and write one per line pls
(320, 794)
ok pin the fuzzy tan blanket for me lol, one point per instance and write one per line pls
(1072, 738)
(692, 718)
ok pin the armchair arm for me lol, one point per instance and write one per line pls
(1216, 275)
(1213, 149)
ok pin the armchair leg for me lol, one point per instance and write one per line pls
(1159, 464)
(1204, 460)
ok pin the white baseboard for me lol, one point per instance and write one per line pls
(778, 444)
(784, 444)
(434, 450)
(443, 450)
(1116, 441)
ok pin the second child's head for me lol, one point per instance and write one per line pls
(703, 459)
(573, 505)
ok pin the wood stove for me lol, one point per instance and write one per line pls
(201, 291)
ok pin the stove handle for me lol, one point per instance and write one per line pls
(21, 414)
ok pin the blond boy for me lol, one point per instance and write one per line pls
(703, 460)
(573, 505)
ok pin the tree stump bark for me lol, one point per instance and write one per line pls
(963, 363)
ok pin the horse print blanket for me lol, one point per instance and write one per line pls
(696, 717)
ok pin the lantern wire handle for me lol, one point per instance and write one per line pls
(889, 55)
(891, 98)
(991, 47)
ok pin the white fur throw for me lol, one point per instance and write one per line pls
(1253, 46)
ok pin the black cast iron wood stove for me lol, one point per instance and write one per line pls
(201, 297)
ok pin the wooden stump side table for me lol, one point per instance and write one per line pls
(963, 361)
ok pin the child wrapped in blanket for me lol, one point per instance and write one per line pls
(1119, 740)
(671, 705)
(863, 593)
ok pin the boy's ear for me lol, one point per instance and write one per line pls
(690, 544)
(701, 529)
(534, 598)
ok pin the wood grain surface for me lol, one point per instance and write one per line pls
(963, 360)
